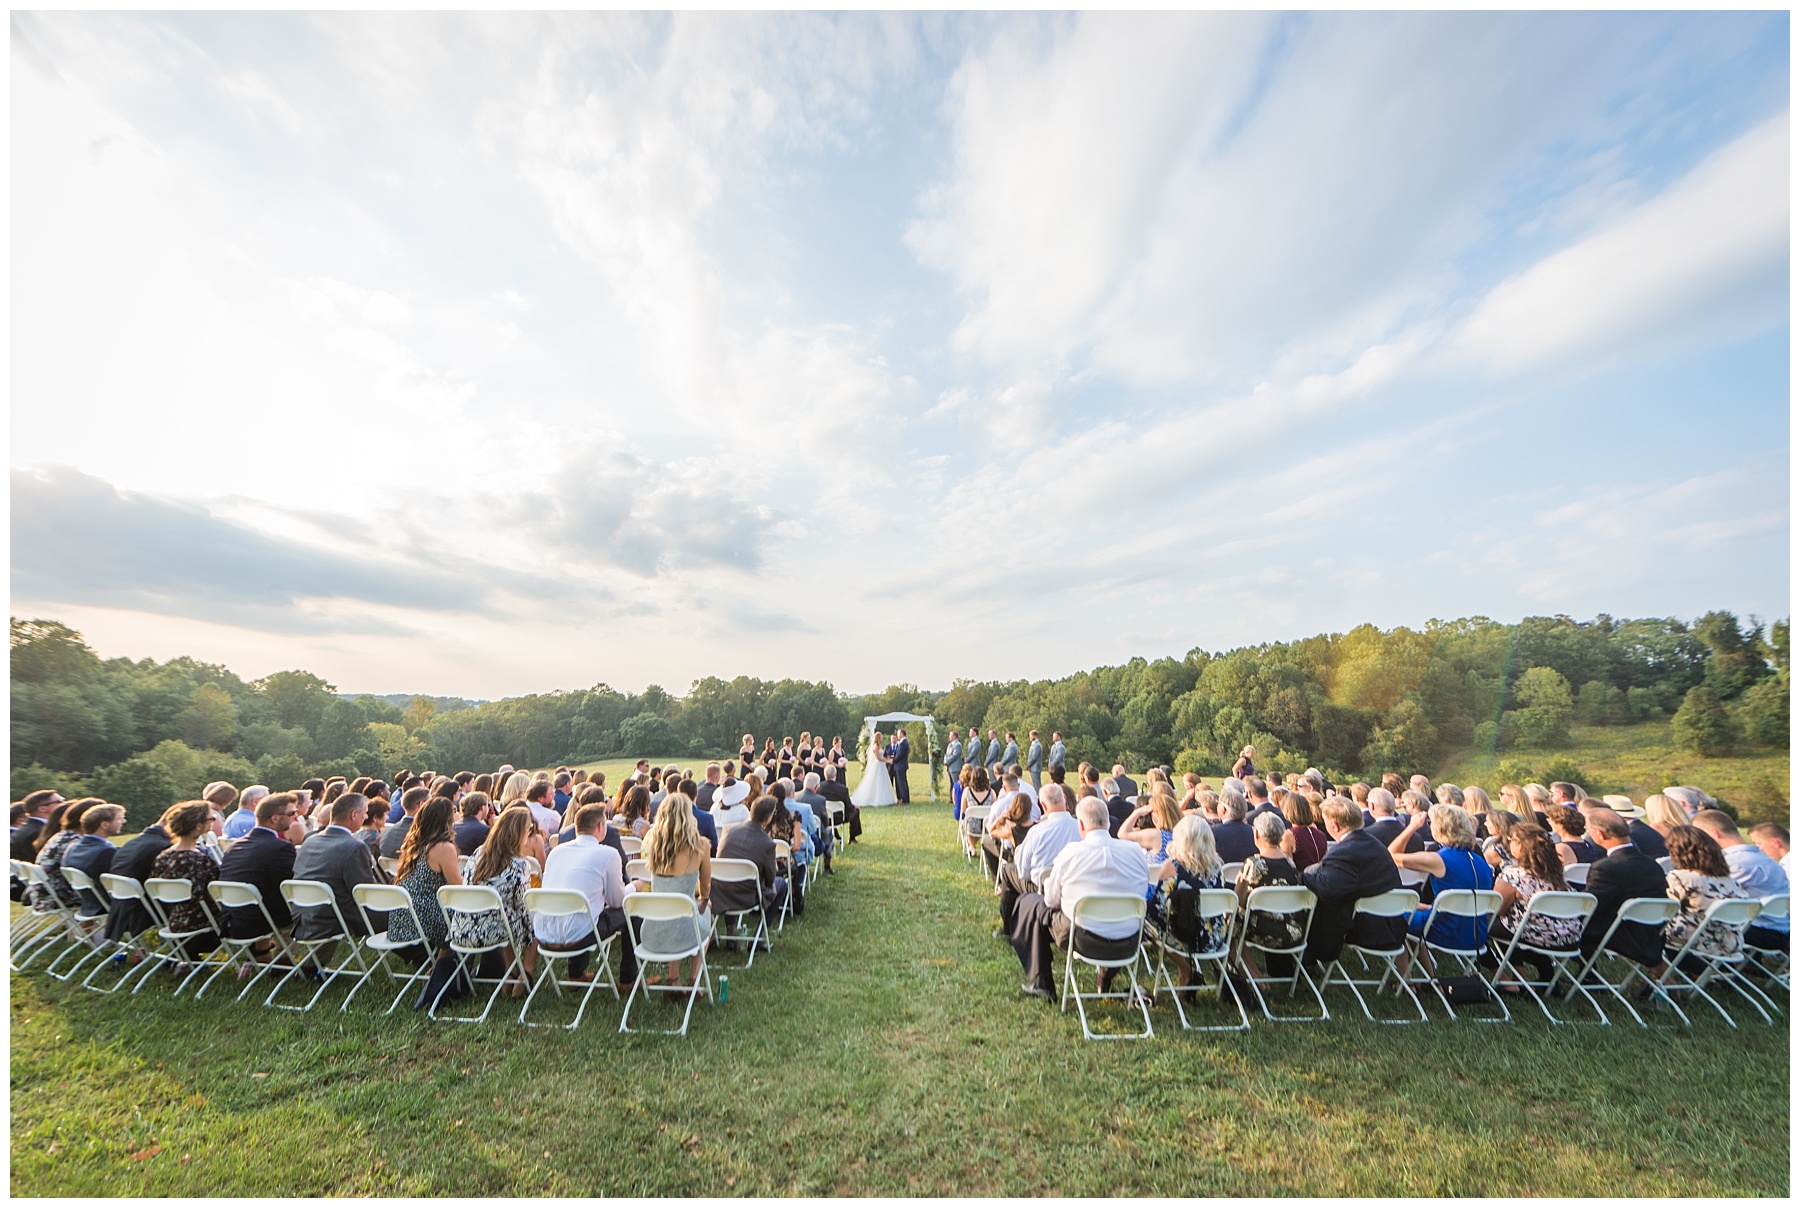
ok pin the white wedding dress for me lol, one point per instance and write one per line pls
(876, 786)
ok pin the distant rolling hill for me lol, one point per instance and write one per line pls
(445, 704)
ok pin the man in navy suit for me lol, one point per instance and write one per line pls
(900, 749)
(263, 858)
(1355, 866)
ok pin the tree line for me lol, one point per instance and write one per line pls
(1357, 703)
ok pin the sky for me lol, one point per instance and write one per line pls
(481, 355)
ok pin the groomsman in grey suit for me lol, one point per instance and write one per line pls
(1009, 756)
(1034, 761)
(993, 755)
(1057, 753)
(953, 766)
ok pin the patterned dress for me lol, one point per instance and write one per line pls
(484, 930)
(50, 860)
(1214, 933)
(421, 884)
(1270, 930)
(1696, 892)
(200, 871)
(1561, 934)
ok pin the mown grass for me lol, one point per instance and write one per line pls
(881, 1049)
(1643, 759)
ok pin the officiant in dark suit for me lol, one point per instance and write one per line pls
(899, 750)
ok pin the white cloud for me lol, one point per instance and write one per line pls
(718, 343)
(1709, 252)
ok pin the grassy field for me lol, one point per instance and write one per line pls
(1642, 759)
(883, 1048)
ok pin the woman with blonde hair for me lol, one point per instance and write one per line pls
(1153, 836)
(1193, 863)
(1475, 800)
(1456, 864)
(513, 788)
(1512, 800)
(679, 863)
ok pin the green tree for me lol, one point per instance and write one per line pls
(211, 718)
(1737, 659)
(1765, 712)
(1702, 725)
(1599, 704)
(142, 786)
(648, 736)
(1545, 708)
(295, 698)
(1406, 744)
(419, 712)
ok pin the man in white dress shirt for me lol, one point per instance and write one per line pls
(1098, 863)
(1032, 860)
(592, 869)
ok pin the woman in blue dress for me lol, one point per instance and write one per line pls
(1456, 864)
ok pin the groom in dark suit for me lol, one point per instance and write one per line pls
(899, 749)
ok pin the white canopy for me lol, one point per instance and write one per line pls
(930, 734)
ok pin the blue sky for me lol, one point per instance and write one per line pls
(488, 354)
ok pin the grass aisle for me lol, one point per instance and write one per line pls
(882, 1048)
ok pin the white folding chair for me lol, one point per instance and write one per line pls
(165, 892)
(1394, 904)
(123, 892)
(473, 901)
(1476, 906)
(1280, 900)
(840, 830)
(389, 900)
(1637, 912)
(532, 867)
(1210, 904)
(1228, 875)
(1734, 913)
(1665, 863)
(738, 873)
(638, 870)
(1771, 961)
(317, 895)
(389, 865)
(568, 903)
(241, 895)
(1105, 908)
(59, 919)
(86, 929)
(631, 845)
(972, 826)
(1411, 878)
(666, 907)
(1550, 905)
(40, 922)
(784, 859)
(1576, 874)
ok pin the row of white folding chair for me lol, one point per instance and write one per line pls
(49, 919)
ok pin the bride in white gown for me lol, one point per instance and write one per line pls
(877, 784)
